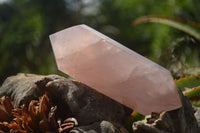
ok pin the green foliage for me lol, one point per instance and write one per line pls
(26, 25)
(176, 50)
(190, 28)
(182, 57)
(181, 63)
(24, 31)
(188, 82)
(120, 15)
(193, 92)
(190, 85)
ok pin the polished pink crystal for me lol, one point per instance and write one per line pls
(114, 70)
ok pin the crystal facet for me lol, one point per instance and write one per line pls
(114, 70)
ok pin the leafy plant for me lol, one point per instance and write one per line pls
(188, 82)
(193, 92)
(181, 54)
(190, 85)
(188, 27)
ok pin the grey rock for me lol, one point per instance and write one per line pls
(73, 99)
(140, 127)
(102, 126)
(21, 89)
(95, 112)
(181, 120)
(197, 115)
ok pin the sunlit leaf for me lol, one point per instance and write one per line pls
(188, 27)
(188, 82)
(193, 92)
(190, 85)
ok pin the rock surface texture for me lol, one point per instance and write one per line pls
(197, 114)
(181, 120)
(95, 112)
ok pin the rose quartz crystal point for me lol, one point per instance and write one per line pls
(114, 70)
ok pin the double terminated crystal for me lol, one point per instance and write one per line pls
(114, 70)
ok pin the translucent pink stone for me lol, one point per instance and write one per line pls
(114, 70)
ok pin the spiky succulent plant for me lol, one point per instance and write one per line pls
(39, 117)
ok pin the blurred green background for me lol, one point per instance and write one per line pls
(25, 26)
